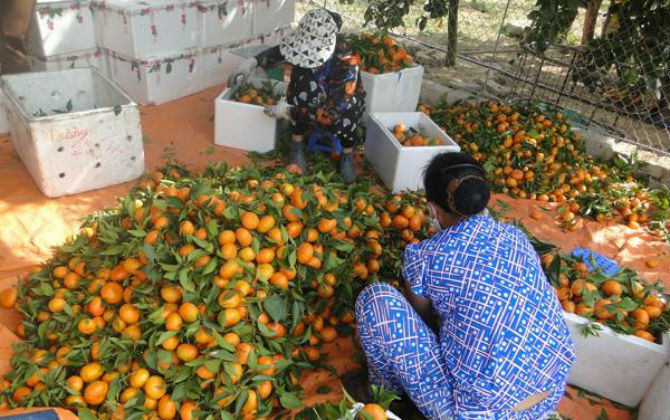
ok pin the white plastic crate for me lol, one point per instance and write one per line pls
(401, 168)
(158, 80)
(61, 27)
(618, 367)
(224, 21)
(90, 58)
(270, 15)
(392, 92)
(148, 28)
(243, 126)
(74, 130)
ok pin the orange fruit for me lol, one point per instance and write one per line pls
(280, 280)
(186, 410)
(231, 317)
(611, 288)
(8, 297)
(129, 314)
(186, 228)
(112, 293)
(56, 304)
(173, 322)
(266, 223)
(243, 236)
(645, 335)
(374, 412)
(95, 392)
(242, 352)
(75, 383)
(138, 378)
(167, 408)
(305, 252)
(226, 237)
(641, 318)
(154, 387)
(187, 352)
(328, 334)
(20, 394)
(249, 220)
(87, 326)
(264, 389)
(171, 343)
(189, 312)
(171, 294)
(90, 372)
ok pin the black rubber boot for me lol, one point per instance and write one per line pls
(296, 154)
(347, 167)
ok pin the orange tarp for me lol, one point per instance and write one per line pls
(31, 224)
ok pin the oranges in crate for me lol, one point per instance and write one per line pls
(256, 96)
(379, 53)
(410, 137)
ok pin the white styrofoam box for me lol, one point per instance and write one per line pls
(392, 92)
(656, 403)
(219, 65)
(95, 142)
(4, 126)
(270, 15)
(90, 58)
(61, 27)
(220, 62)
(618, 367)
(243, 126)
(401, 168)
(224, 21)
(147, 28)
(158, 80)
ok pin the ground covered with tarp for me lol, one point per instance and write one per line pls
(182, 131)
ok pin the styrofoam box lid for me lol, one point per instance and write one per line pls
(88, 89)
(417, 120)
(132, 5)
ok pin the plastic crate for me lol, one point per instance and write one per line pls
(148, 28)
(401, 168)
(392, 92)
(74, 130)
(60, 28)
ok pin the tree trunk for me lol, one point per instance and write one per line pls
(452, 28)
(590, 21)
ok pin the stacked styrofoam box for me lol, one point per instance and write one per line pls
(61, 35)
(224, 22)
(401, 168)
(270, 15)
(94, 139)
(151, 47)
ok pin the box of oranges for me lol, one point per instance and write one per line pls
(240, 120)
(391, 78)
(400, 145)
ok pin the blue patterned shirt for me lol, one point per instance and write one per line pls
(502, 334)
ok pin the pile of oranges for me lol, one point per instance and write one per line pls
(624, 301)
(256, 96)
(378, 53)
(537, 155)
(409, 137)
(202, 294)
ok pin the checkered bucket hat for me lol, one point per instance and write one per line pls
(313, 42)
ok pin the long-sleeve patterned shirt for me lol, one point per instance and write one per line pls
(502, 334)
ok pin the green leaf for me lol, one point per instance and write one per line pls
(290, 401)
(164, 336)
(117, 109)
(149, 252)
(276, 307)
(86, 414)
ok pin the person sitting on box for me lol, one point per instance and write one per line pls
(325, 90)
(501, 348)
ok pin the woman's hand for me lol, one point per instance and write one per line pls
(281, 110)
